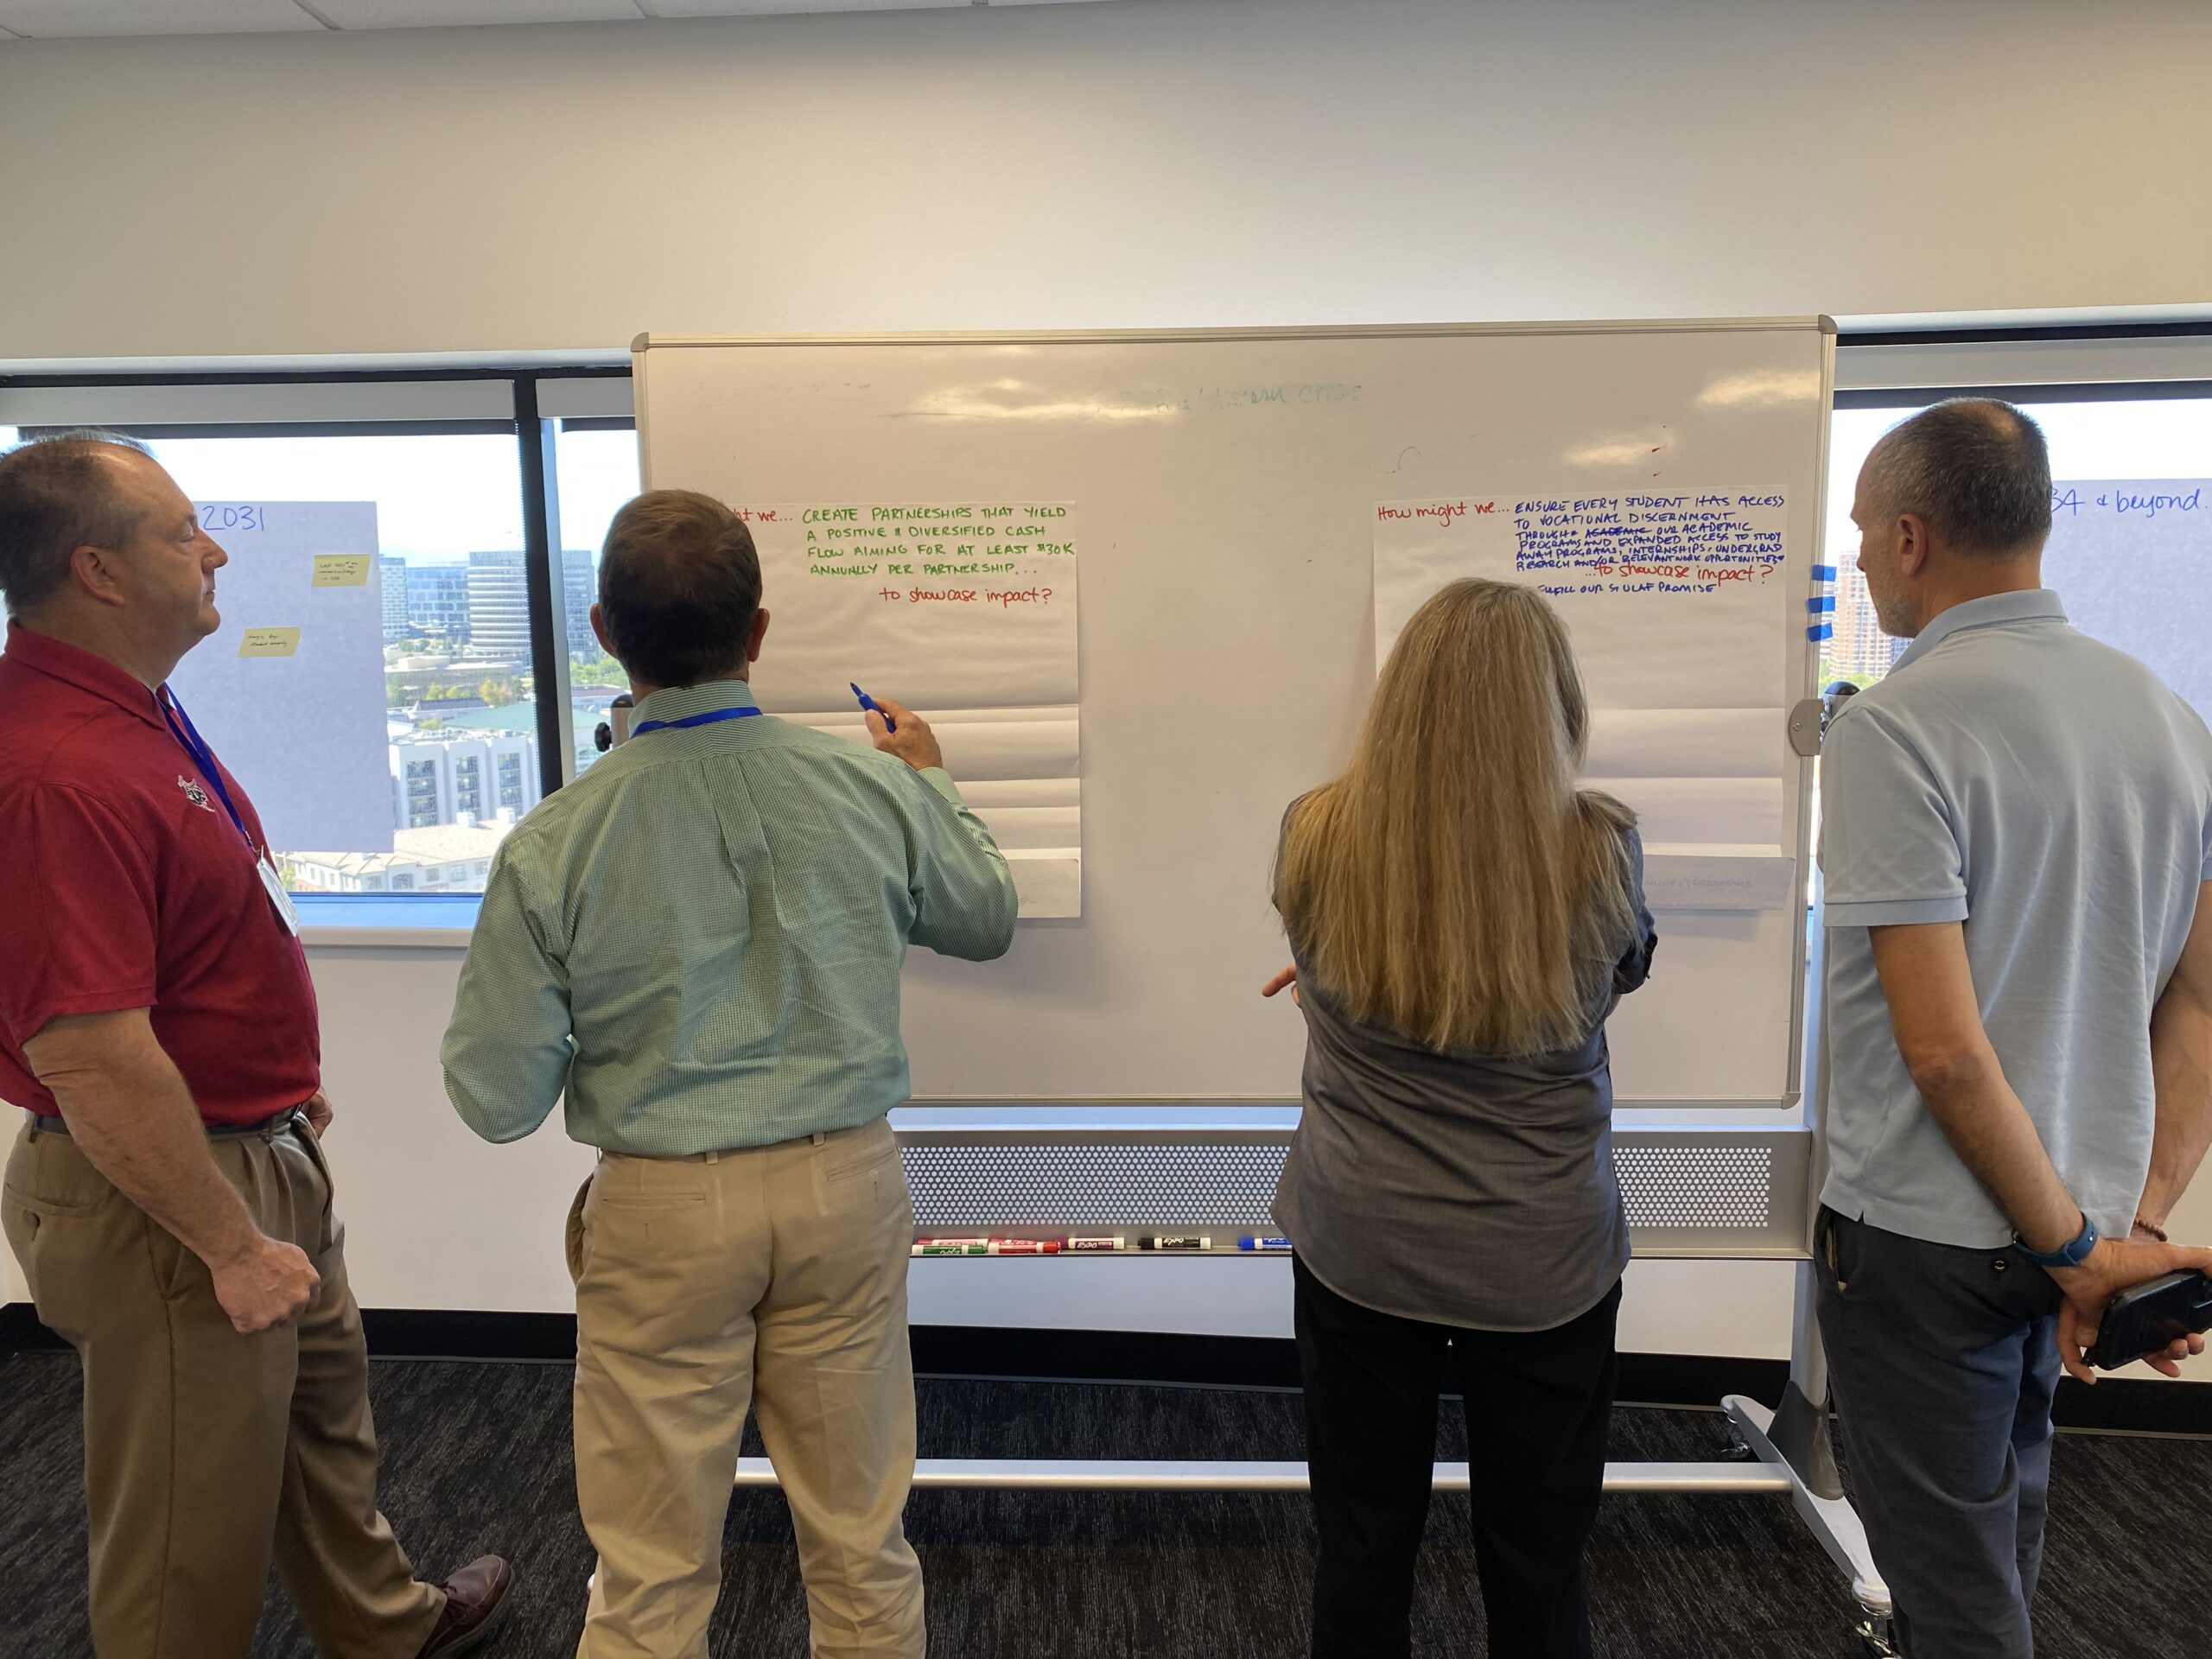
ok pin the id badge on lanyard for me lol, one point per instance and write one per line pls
(273, 885)
(181, 728)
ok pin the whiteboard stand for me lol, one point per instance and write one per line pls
(1793, 1443)
(1212, 465)
(1795, 1436)
(971, 1168)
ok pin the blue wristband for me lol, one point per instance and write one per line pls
(2070, 1254)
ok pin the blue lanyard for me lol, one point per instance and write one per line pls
(707, 718)
(181, 728)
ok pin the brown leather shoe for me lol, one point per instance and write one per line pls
(476, 1596)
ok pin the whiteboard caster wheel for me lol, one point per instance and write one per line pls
(1874, 1638)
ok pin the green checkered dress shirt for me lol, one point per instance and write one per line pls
(699, 939)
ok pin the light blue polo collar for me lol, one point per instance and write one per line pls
(2027, 605)
(674, 702)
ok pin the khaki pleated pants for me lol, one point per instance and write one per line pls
(206, 1452)
(772, 1278)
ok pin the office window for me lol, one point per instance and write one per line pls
(348, 653)
(422, 804)
(385, 719)
(2123, 576)
(2118, 565)
(468, 786)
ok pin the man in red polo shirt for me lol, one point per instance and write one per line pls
(168, 1198)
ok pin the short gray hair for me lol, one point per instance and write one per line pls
(57, 494)
(1977, 470)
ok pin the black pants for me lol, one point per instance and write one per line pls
(1538, 1405)
(1943, 1362)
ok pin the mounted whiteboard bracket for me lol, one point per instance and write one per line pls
(1807, 722)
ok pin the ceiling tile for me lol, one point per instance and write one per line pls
(758, 7)
(423, 14)
(58, 19)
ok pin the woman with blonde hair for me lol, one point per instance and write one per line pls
(1462, 919)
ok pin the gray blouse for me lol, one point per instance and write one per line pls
(1472, 1190)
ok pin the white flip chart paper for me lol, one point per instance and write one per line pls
(290, 692)
(1677, 602)
(1712, 878)
(2132, 560)
(965, 612)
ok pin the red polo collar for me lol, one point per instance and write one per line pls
(72, 666)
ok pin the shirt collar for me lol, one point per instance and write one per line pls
(682, 701)
(2025, 605)
(45, 655)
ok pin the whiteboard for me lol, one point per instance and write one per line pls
(1229, 484)
(288, 690)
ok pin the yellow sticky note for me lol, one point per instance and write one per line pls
(341, 570)
(269, 642)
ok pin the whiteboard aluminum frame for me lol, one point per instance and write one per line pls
(649, 341)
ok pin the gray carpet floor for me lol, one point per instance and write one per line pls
(476, 1458)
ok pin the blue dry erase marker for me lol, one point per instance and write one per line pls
(870, 705)
(1250, 1243)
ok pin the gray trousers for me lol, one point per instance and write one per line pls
(1943, 1362)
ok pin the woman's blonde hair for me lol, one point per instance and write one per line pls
(1453, 884)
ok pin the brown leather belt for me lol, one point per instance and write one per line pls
(268, 1128)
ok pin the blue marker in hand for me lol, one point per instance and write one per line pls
(869, 704)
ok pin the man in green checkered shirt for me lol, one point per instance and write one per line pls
(698, 942)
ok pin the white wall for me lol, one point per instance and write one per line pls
(436, 1219)
(1149, 162)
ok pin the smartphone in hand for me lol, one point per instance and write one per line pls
(2150, 1317)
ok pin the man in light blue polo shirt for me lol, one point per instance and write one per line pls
(2018, 828)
